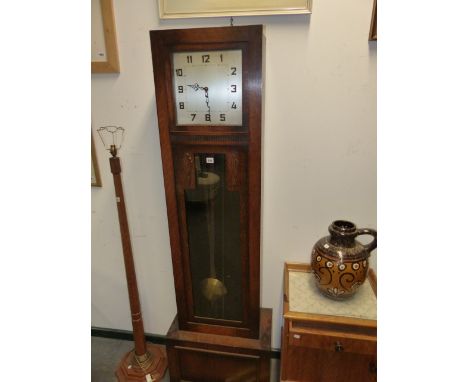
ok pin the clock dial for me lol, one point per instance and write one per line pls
(207, 87)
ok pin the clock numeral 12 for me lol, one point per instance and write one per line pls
(205, 58)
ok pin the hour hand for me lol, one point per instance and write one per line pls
(197, 87)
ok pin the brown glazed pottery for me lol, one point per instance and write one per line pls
(340, 262)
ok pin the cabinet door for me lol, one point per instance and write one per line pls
(325, 359)
(302, 364)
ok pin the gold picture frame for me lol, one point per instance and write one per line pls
(177, 9)
(103, 38)
(373, 26)
(95, 174)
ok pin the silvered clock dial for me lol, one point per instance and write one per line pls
(207, 87)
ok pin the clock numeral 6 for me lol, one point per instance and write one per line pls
(179, 72)
(180, 89)
(208, 117)
(205, 58)
(233, 88)
(193, 116)
(181, 105)
(222, 117)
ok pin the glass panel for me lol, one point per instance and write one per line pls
(213, 223)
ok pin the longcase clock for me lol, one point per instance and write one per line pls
(209, 102)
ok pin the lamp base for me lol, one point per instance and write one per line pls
(148, 368)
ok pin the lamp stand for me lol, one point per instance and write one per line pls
(147, 362)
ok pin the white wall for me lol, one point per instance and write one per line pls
(319, 151)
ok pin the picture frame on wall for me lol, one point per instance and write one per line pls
(104, 51)
(373, 26)
(95, 174)
(174, 9)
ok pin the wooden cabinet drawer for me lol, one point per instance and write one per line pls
(339, 343)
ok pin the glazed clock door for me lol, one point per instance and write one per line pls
(211, 197)
(208, 85)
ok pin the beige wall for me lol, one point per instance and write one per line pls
(319, 151)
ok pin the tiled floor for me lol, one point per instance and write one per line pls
(105, 355)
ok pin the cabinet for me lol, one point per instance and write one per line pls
(325, 340)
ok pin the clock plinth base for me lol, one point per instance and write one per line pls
(195, 356)
(129, 369)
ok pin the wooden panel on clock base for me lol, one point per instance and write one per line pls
(206, 357)
(129, 370)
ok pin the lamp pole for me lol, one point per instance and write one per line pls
(147, 362)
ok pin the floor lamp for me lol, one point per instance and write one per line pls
(147, 362)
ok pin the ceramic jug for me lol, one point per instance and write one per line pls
(340, 262)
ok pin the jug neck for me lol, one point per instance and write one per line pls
(342, 233)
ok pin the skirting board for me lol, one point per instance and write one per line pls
(153, 338)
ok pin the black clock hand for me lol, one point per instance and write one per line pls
(207, 100)
(197, 87)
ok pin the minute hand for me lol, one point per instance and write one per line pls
(207, 100)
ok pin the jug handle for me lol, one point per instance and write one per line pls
(368, 231)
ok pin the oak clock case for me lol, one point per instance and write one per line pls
(209, 99)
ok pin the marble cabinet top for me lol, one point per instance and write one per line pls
(304, 297)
